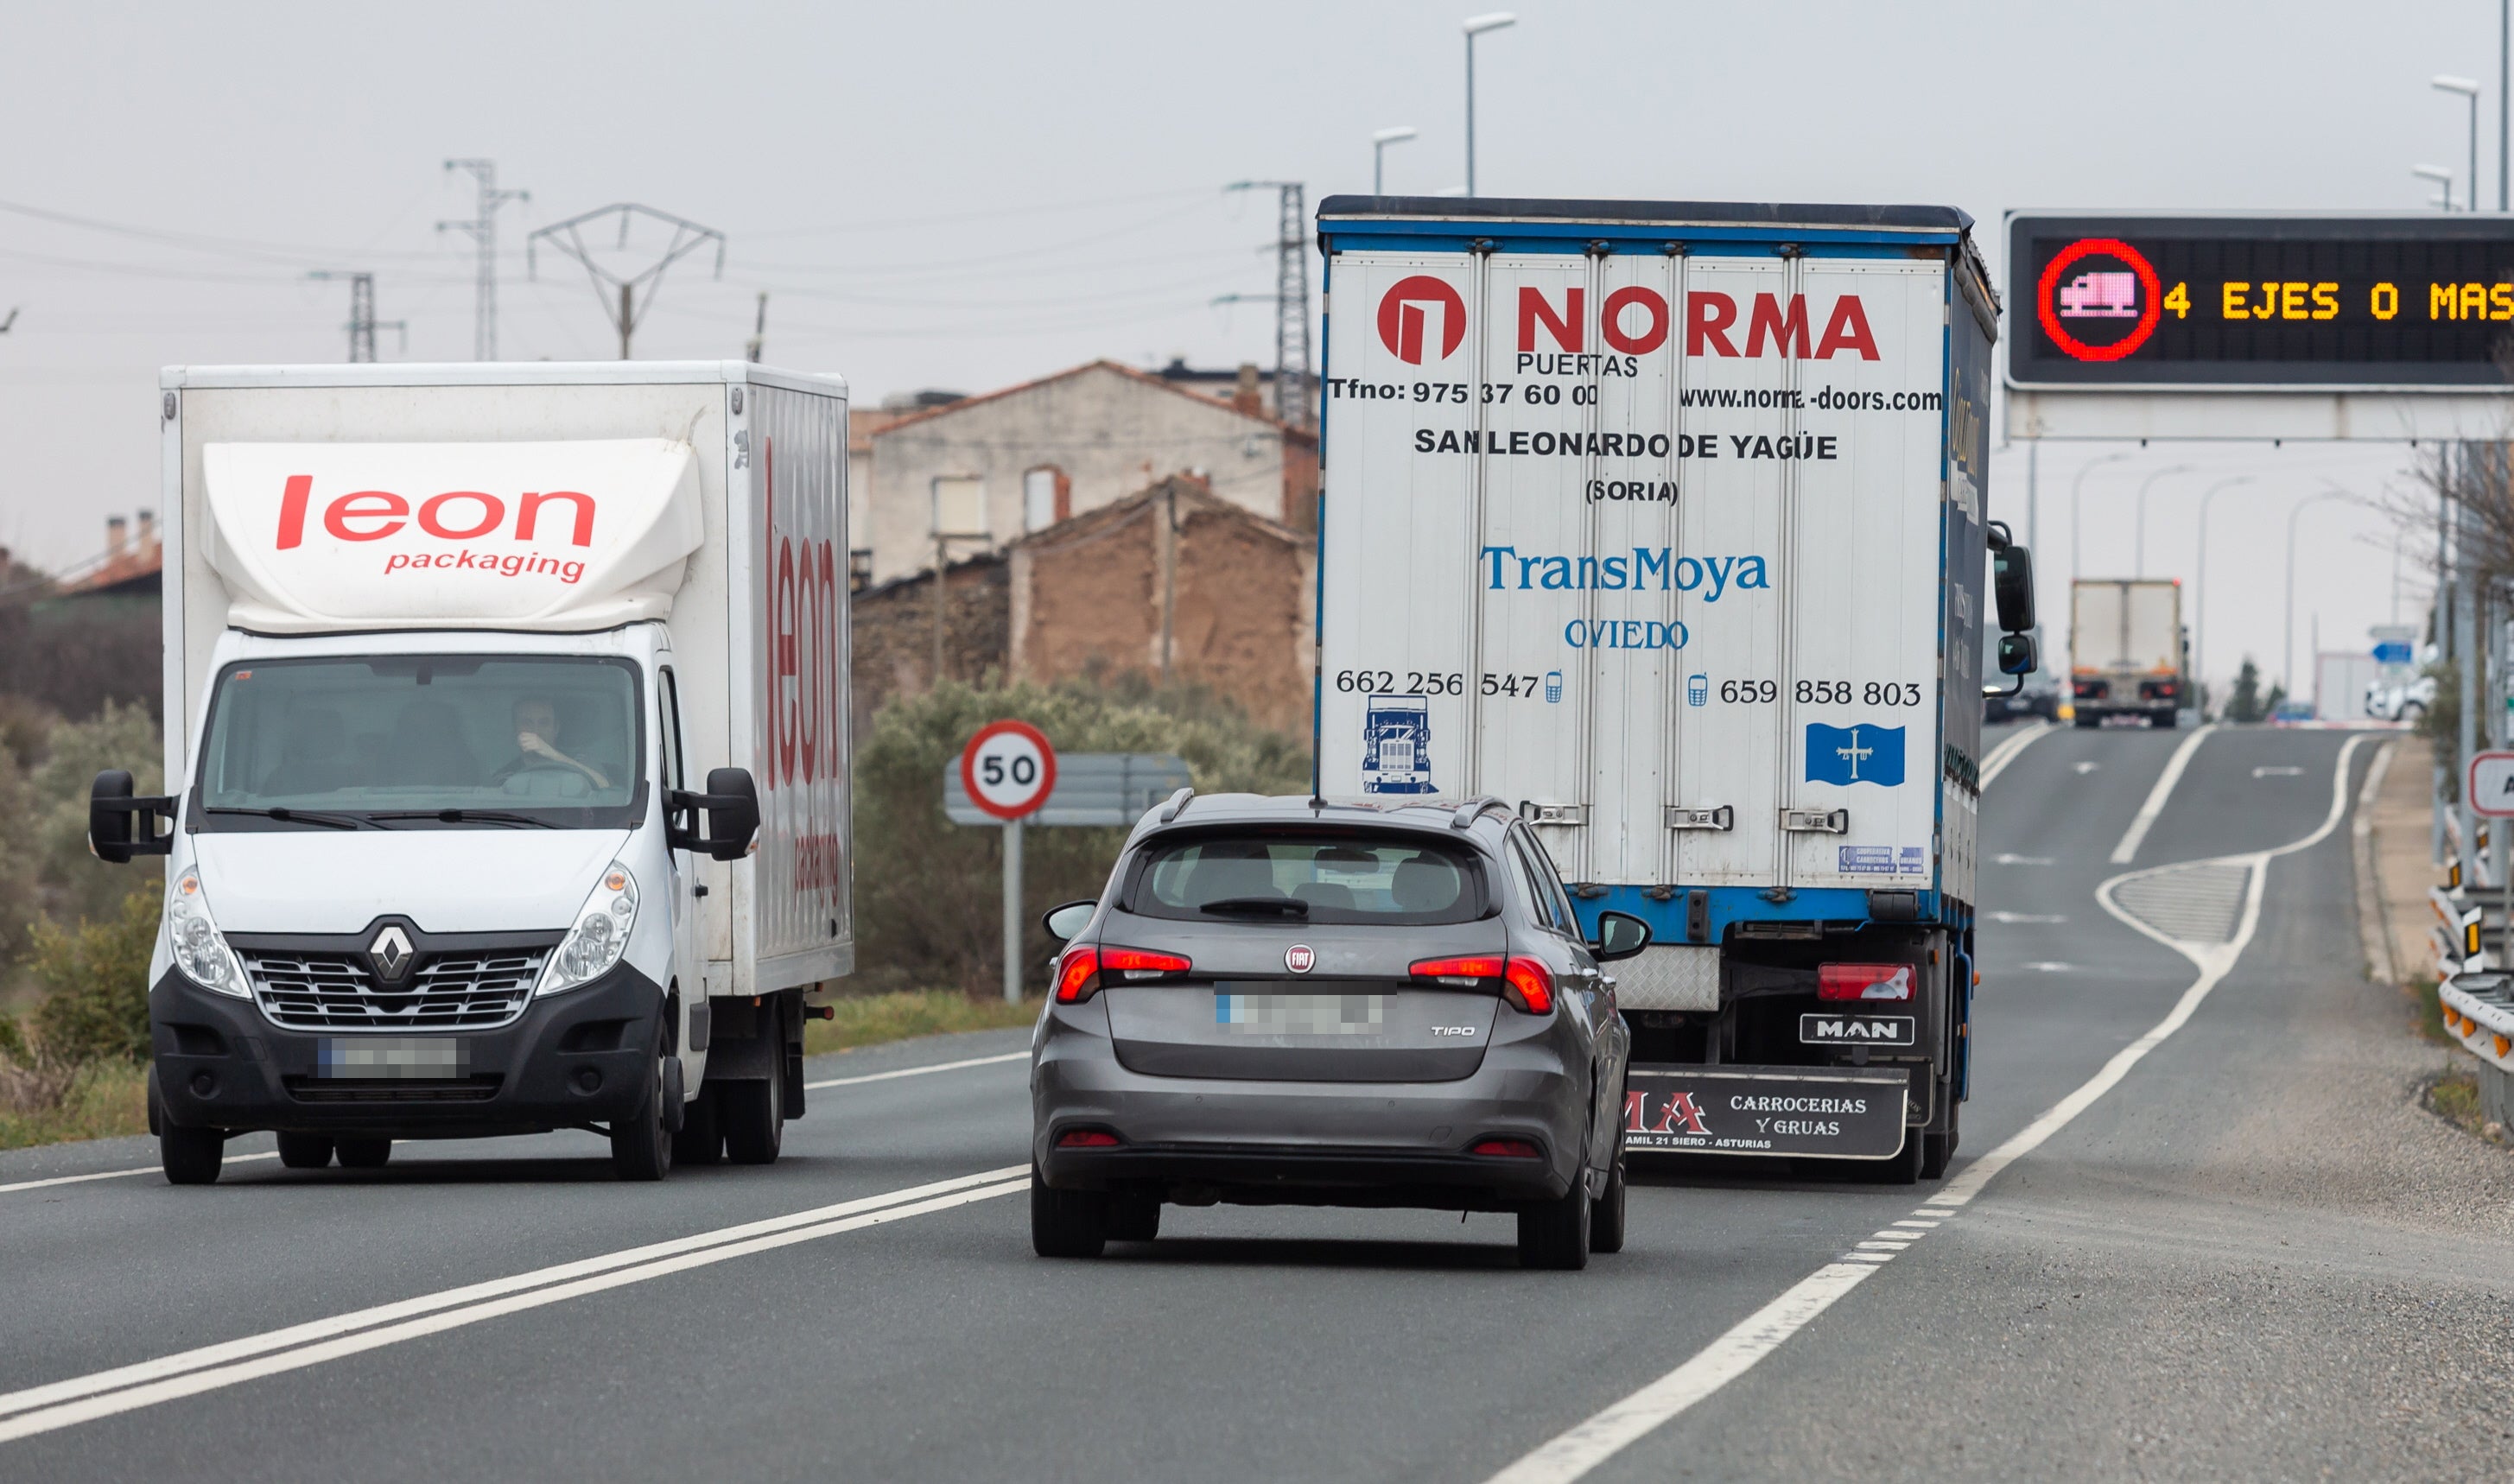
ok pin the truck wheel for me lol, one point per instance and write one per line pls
(641, 1146)
(363, 1153)
(752, 1115)
(2089, 721)
(1555, 1233)
(2164, 721)
(700, 1140)
(1904, 1168)
(190, 1157)
(1607, 1212)
(305, 1151)
(1939, 1150)
(1134, 1218)
(1067, 1223)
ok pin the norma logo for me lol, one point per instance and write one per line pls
(1403, 312)
(2098, 300)
(1300, 958)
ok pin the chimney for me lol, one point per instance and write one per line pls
(147, 542)
(1246, 397)
(113, 536)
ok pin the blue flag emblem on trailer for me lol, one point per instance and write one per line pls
(1855, 754)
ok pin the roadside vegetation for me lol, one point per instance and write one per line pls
(870, 1020)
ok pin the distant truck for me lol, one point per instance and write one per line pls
(449, 652)
(2127, 651)
(1665, 524)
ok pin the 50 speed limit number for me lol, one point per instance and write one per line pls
(1008, 769)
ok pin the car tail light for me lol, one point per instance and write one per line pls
(1141, 963)
(1863, 981)
(1078, 974)
(1531, 985)
(1087, 1138)
(1506, 1149)
(1459, 970)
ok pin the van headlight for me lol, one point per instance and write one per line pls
(194, 940)
(600, 933)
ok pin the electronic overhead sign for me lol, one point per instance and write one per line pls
(2293, 304)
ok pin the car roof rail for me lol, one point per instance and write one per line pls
(1177, 804)
(1474, 809)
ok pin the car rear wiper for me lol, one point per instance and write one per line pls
(1251, 906)
(466, 817)
(287, 816)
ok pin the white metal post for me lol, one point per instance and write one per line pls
(1012, 911)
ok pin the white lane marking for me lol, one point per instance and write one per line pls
(2020, 860)
(2083, 769)
(1570, 1455)
(2012, 917)
(2278, 772)
(70, 1414)
(2049, 966)
(73, 1179)
(206, 1356)
(2156, 796)
(2005, 753)
(1924, 1224)
(917, 1072)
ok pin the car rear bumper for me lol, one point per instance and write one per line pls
(578, 1058)
(1262, 1175)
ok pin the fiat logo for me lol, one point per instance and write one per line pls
(1299, 958)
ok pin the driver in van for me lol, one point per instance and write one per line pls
(537, 743)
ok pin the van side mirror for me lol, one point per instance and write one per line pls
(731, 804)
(2012, 589)
(1063, 922)
(113, 832)
(1620, 934)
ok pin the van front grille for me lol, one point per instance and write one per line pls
(450, 991)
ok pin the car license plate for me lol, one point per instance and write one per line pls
(394, 1056)
(1301, 1015)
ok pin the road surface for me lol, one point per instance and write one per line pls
(2241, 1252)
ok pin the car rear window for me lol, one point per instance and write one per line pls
(1351, 878)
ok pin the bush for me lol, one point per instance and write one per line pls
(76, 884)
(928, 893)
(98, 976)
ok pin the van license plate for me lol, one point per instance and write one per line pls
(424, 1056)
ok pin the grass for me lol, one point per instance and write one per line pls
(2430, 1014)
(870, 1020)
(2455, 1098)
(103, 1100)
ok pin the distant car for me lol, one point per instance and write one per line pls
(2401, 701)
(1276, 1002)
(2292, 711)
(2040, 698)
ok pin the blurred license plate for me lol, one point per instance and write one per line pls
(1304, 1015)
(392, 1057)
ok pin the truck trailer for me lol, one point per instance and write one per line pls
(2128, 651)
(506, 747)
(1665, 524)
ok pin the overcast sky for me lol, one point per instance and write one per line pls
(963, 196)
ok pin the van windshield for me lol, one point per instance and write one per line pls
(415, 741)
(1349, 878)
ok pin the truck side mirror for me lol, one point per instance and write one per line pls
(1063, 922)
(2017, 654)
(2013, 586)
(731, 804)
(1620, 934)
(113, 835)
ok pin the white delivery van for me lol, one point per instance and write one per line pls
(506, 735)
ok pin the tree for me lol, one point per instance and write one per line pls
(2244, 703)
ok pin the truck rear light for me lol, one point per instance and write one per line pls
(1141, 963)
(1467, 971)
(1506, 1149)
(1863, 981)
(1531, 985)
(1078, 974)
(1087, 1138)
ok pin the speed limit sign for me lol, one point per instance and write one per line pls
(1008, 769)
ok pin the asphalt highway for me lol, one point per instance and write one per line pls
(2234, 1250)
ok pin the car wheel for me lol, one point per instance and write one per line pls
(700, 1140)
(305, 1151)
(363, 1153)
(1134, 1218)
(752, 1115)
(1607, 1212)
(641, 1143)
(1555, 1233)
(190, 1157)
(1067, 1223)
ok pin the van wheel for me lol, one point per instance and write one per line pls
(363, 1153)
(700, 1140)
(1555, 1233)
(305, 1151)
(641, 1146)
(1067, 1223)
(752, 1115)
(190, 1157)
(1607, 1212)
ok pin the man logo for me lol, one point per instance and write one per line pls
(390, 953)
(1300, 958)
(1401, 313)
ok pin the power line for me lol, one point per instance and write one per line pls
(568, 238)
(483, 230)
(1291, 299)
(363, 325)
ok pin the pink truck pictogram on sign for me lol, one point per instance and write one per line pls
(2100, 295)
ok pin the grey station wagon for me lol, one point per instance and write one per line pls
(1282, 1001)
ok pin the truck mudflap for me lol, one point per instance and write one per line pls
(1845, 1112)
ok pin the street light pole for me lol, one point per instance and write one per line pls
(2443, 179)
(2200, 590)
(2469, 91)
(1474, 26)
(2138, 559)
(1379, 144)
(2287, 661)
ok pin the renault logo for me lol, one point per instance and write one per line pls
(390, 953)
